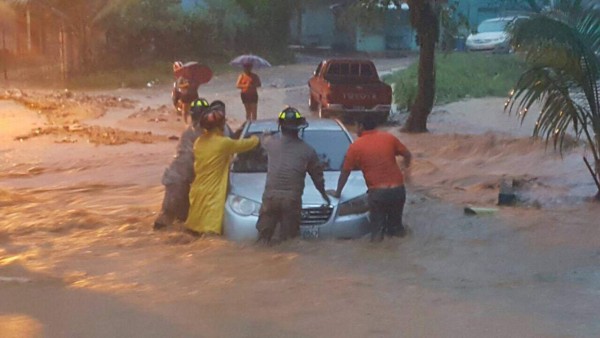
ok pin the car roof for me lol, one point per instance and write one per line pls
(346, 60)
(506, 18)
(313, 124)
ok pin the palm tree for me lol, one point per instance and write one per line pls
(561, 48)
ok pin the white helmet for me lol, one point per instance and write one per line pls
(177, 65)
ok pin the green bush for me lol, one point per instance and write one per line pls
(460, 76)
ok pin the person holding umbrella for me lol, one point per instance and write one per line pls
(189, 76)
(248, 82)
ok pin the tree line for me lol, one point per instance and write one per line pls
(114, 33)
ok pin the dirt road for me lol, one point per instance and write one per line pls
(78, 257)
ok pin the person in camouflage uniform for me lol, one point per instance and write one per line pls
(180, 173)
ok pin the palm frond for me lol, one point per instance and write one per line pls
(563, 72)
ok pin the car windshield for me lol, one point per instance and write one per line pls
(492, 26)
(331, 147)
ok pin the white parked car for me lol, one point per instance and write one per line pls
(491, 35)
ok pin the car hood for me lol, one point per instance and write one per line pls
(487, 36)
(252, 186)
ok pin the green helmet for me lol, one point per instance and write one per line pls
(198, 108)
(291, 119)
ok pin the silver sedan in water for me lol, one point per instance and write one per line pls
(347, 217)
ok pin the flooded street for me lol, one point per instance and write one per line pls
(78, 257)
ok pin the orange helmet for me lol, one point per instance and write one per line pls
(214, 118)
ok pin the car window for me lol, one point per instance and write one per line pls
(351, 72)
(345, 69)
(331, 147)
(318, 70)
(334, 69)
(492, 26)
(366, 70)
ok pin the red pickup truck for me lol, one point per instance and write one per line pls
(349, 88)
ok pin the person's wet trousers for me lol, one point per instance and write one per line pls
(386, 207)
(284, 211)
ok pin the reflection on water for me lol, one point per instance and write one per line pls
(20, 326)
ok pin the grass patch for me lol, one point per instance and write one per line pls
(138, 77)
(460, 76)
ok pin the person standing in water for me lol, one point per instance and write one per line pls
(212, 156)
(374, 153)
(289, 160)
(180, 173)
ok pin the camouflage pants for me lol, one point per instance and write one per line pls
(176, 204)
(284, 211)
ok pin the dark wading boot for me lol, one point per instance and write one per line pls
(397, 231)
(162, 221)
(261, 241)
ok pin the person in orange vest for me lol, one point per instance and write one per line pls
(248, 82)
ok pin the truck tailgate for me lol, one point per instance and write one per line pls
(360, 96)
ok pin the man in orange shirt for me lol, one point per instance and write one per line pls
(248, 82)
(374, 153)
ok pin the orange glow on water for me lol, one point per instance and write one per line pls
(20, 326)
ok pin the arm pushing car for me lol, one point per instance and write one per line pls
(289, 159)
(344, 218)
(374, 153)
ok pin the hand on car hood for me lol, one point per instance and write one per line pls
(252, 186)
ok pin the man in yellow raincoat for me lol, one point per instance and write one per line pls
(212, 153)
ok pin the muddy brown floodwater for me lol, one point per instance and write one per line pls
(78, 257)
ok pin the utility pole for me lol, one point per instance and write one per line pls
(62, 50)
(4, 55)
(28, 18)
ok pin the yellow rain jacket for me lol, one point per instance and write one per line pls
(212, 156)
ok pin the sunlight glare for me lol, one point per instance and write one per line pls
(20, 326)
